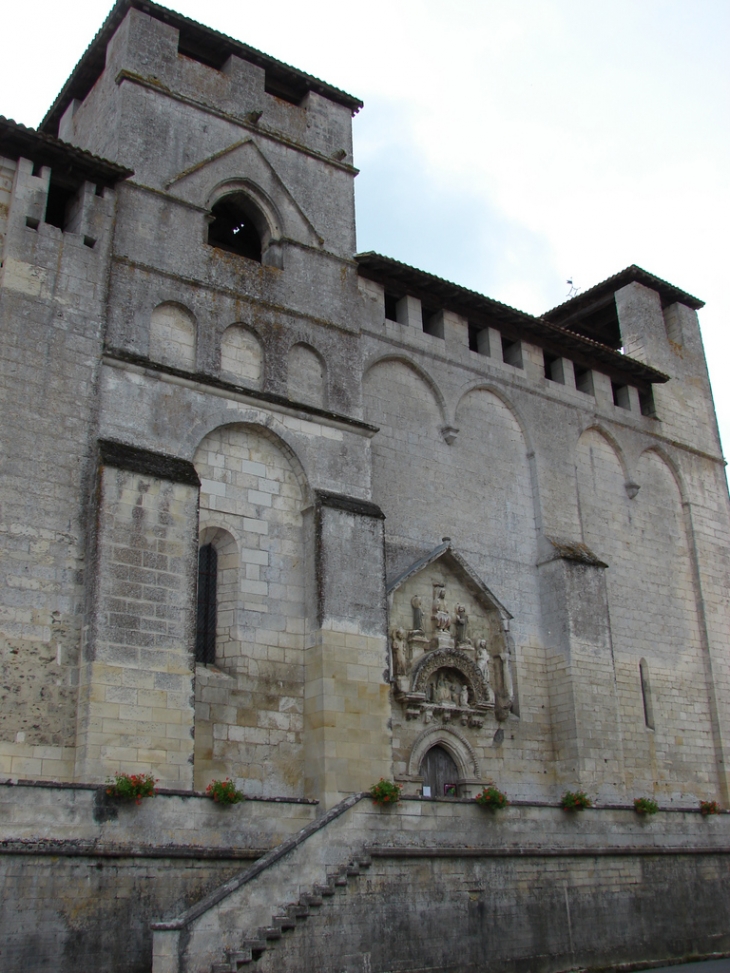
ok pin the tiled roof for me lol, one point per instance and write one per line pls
(17, 140)
(583, 301)
(478, 309)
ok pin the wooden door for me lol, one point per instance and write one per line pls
(439, 773)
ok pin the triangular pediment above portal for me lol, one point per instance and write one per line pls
(446, 558)
(448, 634)
(243, 166)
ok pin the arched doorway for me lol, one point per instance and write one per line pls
(440, 773)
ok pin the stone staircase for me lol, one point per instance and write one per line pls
(290, 917)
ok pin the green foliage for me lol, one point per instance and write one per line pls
(575, 801)
(131, 787)
(645, 805)
(224, 792)
(709, 807)
(385, 792)
(491, 797)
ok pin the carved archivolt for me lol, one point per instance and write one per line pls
(450, 659)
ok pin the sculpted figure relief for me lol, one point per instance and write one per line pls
(441, 617)
(398, 644)
(417, 614)
(460, 624)
(506, 687)
(482, 659)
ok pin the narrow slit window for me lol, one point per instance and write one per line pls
(646, 694)
(207, 605)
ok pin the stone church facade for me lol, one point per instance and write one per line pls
(278, 511)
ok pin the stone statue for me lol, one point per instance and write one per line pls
(399, 652)
(441, 617)
(464, 696)
(443, 690)
(505, 673)
(460, 623)
(482, 659)
(417, 614)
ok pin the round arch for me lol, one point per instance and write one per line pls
(259, 423)
(479, 386)
(672, 466)
(417, 370)
(612, 442)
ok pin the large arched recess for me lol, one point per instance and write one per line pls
(495, 497)
(249, 707)
(411, 462)
(653, 611)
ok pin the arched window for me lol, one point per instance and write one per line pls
(207, 605)
(238, 227)
(646, 694)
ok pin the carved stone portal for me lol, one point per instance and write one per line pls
(454, 666)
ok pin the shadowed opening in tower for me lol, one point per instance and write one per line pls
(234, 227)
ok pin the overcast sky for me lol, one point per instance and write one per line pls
(507, 146)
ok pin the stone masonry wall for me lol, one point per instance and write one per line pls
(52, 288)
(136, 711)
(249, 706)
(84, 875)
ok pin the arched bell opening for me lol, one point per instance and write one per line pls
(440, 773)
(238, 226)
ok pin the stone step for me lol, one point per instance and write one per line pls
(239, 957)
(297, 911)
(325, 890)
(251, 949)
(284, 922)
(310, 899)
(257, 946)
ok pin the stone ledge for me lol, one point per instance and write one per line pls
(82, 849)
(624, 851)
(159, 792)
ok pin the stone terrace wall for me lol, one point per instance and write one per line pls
(84, 875)
(454, 887)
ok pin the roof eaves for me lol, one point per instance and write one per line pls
(19, 140)
(668, 292)
(377, 263)
(461, 298)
